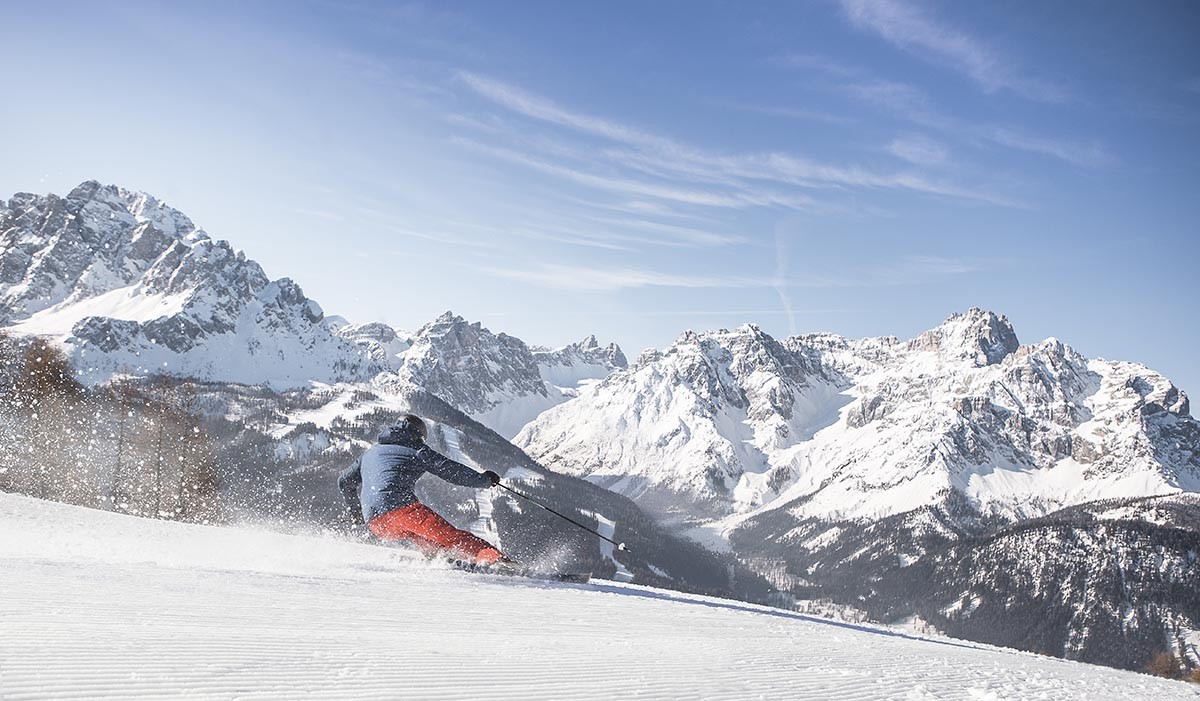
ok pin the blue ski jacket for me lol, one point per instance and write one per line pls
(385, 477)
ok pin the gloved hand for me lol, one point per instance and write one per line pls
(495, 478)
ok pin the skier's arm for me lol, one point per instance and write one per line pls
(350, 482)
(451, 471)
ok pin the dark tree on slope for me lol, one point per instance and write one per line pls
(1107, 590)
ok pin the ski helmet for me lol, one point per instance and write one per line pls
(415, 423)
(409, 428)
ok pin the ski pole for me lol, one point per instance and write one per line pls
(535, 502)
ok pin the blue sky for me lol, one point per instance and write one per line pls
(637, 169)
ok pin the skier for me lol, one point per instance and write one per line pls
(379, 489)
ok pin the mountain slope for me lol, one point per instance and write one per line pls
(1112, 582)
(117, 606)
(693, 430)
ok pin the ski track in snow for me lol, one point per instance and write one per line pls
(100, 606)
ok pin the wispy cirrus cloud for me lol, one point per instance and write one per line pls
(310, 213)
(910, 103)
(796, 113)
(690, 175)
(623, 185)
(539, 107)
(1083, 154)
(821, 64)
(902, 98)
(579, 278)
(685, 234)
(918, 150)
(906, 270)
(912, 29)
(939, 265)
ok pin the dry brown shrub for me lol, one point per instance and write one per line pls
(1164, 664)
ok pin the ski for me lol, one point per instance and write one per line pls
(514, 570)
(569, 577)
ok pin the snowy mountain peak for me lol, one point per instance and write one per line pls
(132, 285)
(691, 429)
(336, 321)
(588, 350)
(385, 345)
(646, 357)
(140, 205)
(482, 374)
(744, 351)
(94, 240)
(445, 323)
(451, 331)
(978, 336)
(496, 378)
(374, 330)
(819, 426)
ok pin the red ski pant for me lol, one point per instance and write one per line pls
(431, 533)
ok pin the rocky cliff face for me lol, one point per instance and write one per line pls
(694, 430)
(382, 343)
(96, 239)
(495, 378)
(133, 286)
(579, 364)
(734, 423)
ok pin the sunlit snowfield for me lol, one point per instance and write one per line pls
(98, 605)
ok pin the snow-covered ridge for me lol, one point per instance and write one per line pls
(384, 344)
(694, 428)
(579, 364)
(228, 613)
(496, 378)
(132, 285)
(730, 423)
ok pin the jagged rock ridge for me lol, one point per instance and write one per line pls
(496, 378)
(133, 286)
(730, 423)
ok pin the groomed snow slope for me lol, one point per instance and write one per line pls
(97, 605)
